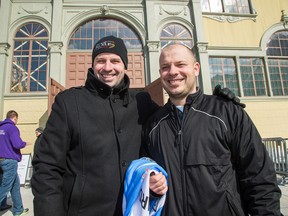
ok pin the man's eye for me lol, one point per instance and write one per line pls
(164, 68)
(116, 61)
(100, 61)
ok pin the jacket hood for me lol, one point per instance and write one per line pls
(6, 121)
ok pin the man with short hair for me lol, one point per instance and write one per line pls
(210, 148)
(10, 155)
(92, 135)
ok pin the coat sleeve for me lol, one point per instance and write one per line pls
(255, 170)
(49, 163)
(16, 140)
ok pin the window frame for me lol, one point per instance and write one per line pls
(187, 41)
(28, 60)
(101, 28)
(224, 82)
(230, 17)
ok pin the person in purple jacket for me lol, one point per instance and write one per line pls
(10, 155)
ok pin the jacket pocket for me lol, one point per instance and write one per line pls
(76, 195)
(206, 182)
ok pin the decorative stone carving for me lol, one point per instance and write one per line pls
(4, 47)
(284, 18)
(55, 47)
(45, 9)
(230, 19)
(105, 10)
(202, 47)
(153, 46)
(173, 13)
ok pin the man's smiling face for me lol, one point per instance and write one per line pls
(178, 71)
(109, 68)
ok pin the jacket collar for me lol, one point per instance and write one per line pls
(191, 99)
(93, 84)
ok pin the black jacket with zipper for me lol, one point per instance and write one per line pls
(91, 136)
(215, 159)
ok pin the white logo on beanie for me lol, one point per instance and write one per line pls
(105, 45)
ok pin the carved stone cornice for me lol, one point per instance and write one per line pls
(55, 47)
(174, 12)
(4, 47)
(153, 46)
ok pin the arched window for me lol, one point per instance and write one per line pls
(29, 69)
(81, 44)
(277, 52)
(86, 35)
(175, 33)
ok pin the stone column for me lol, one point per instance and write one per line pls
(56, 44)
(5, 10)
(4, 47)
(152, 41)
(202, 44)
(55, 53)
(153, 64)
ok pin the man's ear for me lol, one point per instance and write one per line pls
(196, 69)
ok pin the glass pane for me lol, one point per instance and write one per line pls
(30, 58)
(176, 33)
(216, 6)
(278, 44)
(223, 72)
(230, 6)
(19, 75)
(89, 33)
(252, 75)
(205, 6)
(278, 70)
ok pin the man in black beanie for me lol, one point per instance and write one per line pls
(92, 135)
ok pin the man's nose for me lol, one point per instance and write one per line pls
(173, 70)
(108, 66)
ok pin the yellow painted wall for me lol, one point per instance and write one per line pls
(32, 114)
(270, 117)
(245, 33)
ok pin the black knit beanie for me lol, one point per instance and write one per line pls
(111, 44)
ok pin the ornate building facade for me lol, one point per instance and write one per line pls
(243, 45)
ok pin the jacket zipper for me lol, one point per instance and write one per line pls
(181, 156)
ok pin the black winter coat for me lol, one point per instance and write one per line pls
(91, 136)
(215, 159)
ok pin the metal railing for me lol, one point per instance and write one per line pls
(277, 150)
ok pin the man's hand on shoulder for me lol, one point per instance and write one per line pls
(228, 94)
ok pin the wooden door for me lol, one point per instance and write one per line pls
(78, 64)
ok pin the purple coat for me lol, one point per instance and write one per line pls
(10, 141)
